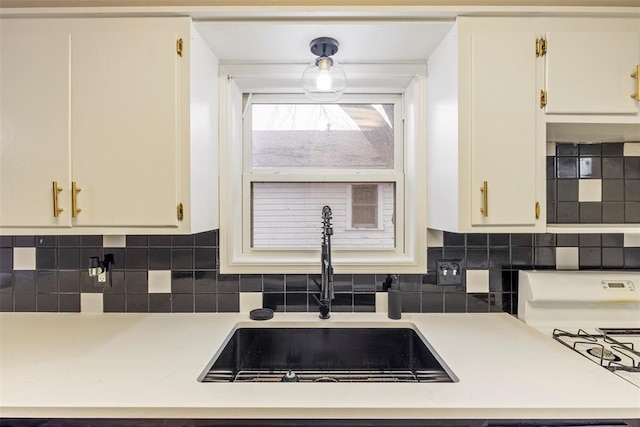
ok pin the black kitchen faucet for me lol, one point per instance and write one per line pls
(326, 285)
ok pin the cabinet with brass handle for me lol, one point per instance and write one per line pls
(56, 209)
(74, 200)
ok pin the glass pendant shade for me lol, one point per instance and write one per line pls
(324, 80)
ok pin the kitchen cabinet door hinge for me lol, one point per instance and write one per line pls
(541, 47)
(543, 98)
(179, 47)
(180, 212)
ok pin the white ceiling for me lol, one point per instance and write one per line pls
(288, 42)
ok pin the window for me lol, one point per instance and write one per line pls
(284, 157)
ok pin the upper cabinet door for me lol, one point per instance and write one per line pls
(125, 130)
(589, 72)
(34, 128)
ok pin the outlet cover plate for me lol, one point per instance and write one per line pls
(448, 265)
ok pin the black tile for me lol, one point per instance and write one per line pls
(90, 284)
(632, 257)
(613, 212)
(6, 259)
(86, 253)
(24, 241)
(205, 258)
(590, 212)
(72, 241)
(565, 149)
(342, 303)
(137, 281)
(631, 167)
(6, 242)
(500, 302)
(296, 302)
(207, 238)
(206, 303)
(499, 240)
(229, 303)
(568, 240)
(430, 282)
(567, 190)
(544, 257)
(612, 167)
(453, 239)
(118, 257)
(6, 283)
(47, 303)
(159, 303)
(567, 212)
(205, 282)
(523, 239)
(411, 302)
(364, 282)
(632, 190)
(273, 283)
(567, 167)
(551, 167)
(160, 241)
(500, 280)
(314, 282)
(251, 283)
(590, 258)
(24, 302)
(612, 149)
(137, 303)
(521, 256)
(46, 241)
(343, 282)
(632, 212)
(69, 303)
(69, 258)
(590, 240)
(552, 216)
(69, 281)
(275, 301)
(136, 258)
(159, 258)
(552, 190)
(118, 285)
(589, 149)
(113, 303)
(46, 281)
(364, 303)
(411, 282)
(432, 302)
(612, 257)
(477, 303)
(477, 239)
(433, 254)
(477, 259)
(228, 283)
(590, 167)
(296, 283)
(182, 241)
(182, 259)
(612, 190)
(613, 240)
(137, 241)
(182, 281)
(545, 239)
(455, 303)
(454, 253)
(314, 301)
(24, 281)
(91, 241)
(499, 257)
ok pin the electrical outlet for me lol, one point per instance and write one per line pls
(449, 272)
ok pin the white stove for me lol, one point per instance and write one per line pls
(595, 313)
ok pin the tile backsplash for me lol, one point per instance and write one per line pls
(179, 274)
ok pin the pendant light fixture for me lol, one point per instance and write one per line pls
(324, 79)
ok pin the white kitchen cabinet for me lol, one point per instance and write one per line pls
(139, 124)
(588, 66)
(485, 139)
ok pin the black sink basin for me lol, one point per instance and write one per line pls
(333, 354)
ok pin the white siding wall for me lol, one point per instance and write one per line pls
(289, 215)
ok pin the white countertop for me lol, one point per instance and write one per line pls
(146, 365)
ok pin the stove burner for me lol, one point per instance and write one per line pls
(603, 353)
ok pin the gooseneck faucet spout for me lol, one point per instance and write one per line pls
(326, 286)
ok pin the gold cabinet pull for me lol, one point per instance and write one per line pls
(485, 199)
(75, 210)
(537, 210)
(636, 76)
(56, 190)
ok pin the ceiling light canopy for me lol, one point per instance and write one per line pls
(324, 79)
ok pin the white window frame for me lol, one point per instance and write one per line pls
(378, 83)
(379, 213)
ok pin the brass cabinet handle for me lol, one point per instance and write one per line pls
(485, 199)
(74, 202)
(56, 190)
(636, 76)
(537, 210)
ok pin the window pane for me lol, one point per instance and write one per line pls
(365, 217)
(354, 136)
(287, 215)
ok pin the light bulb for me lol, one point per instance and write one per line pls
(323, 81)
